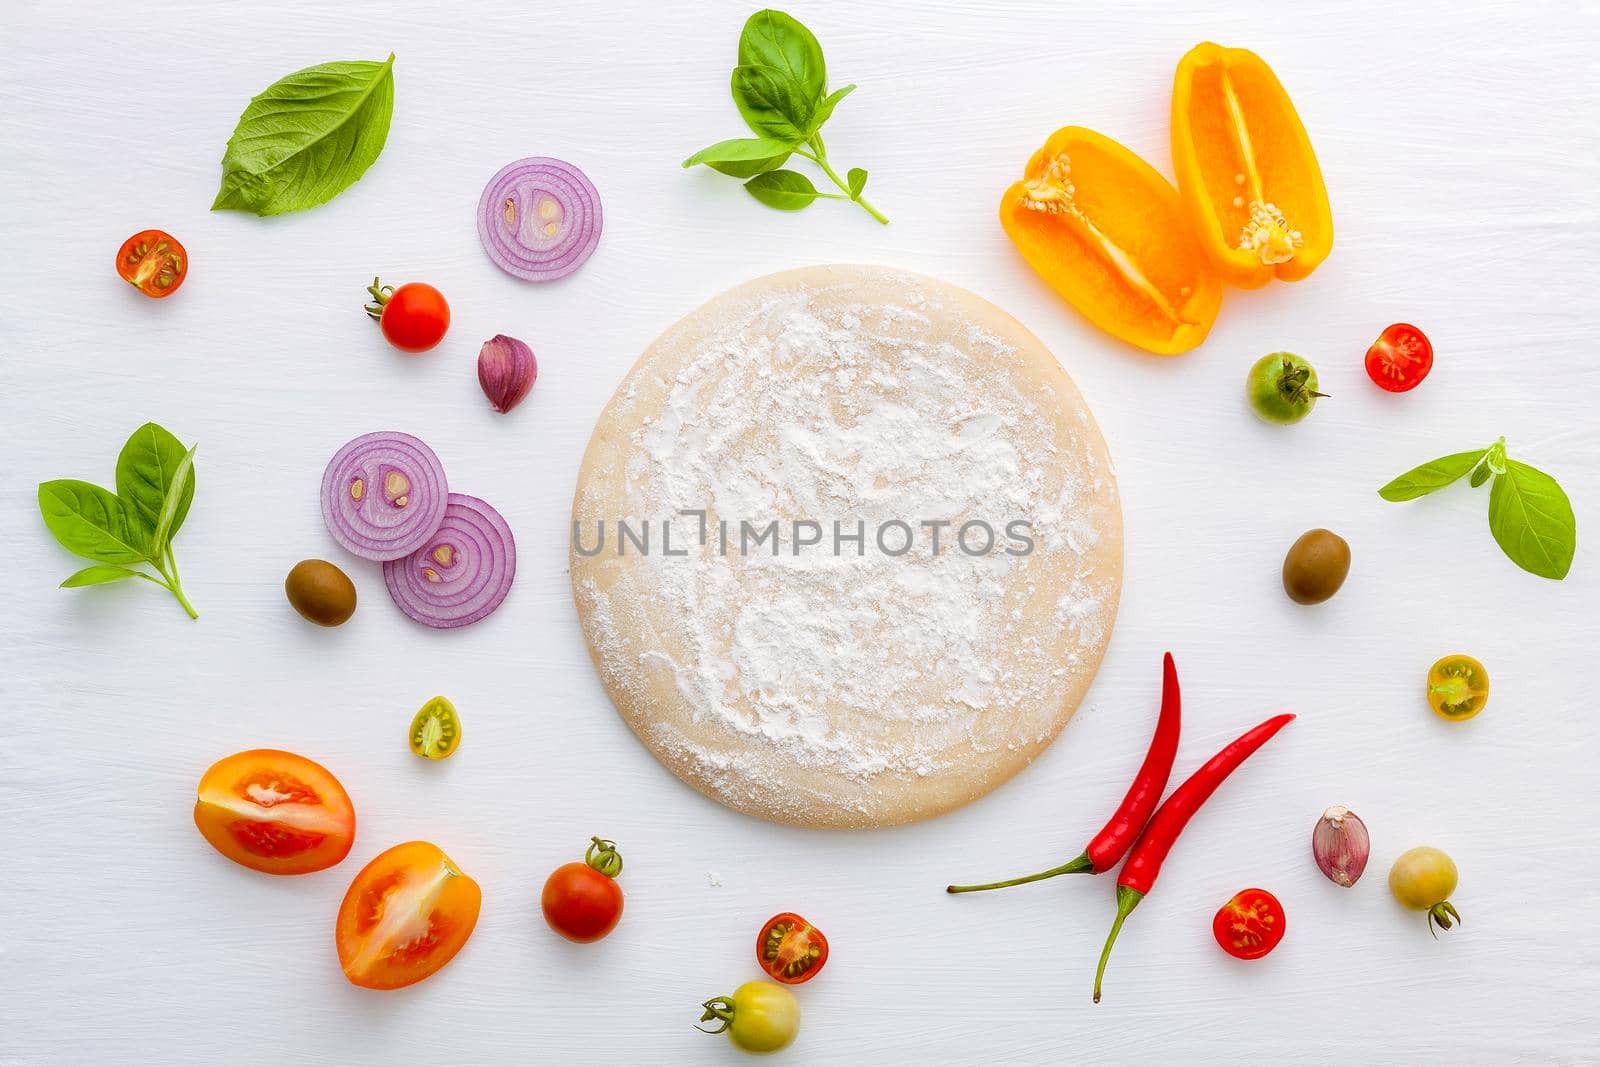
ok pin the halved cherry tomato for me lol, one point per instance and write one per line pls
(790, 949)
(153, 262)
(275, 812)
(1250, 925)
(405, 916)
(413, 317)
(1400, 358)
(435, 729)
(1458, 688)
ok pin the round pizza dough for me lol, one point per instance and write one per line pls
(822, 673)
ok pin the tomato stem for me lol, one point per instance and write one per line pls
(1127, 900)
(380, 297)
(1292, 384)
(1442, 913)
(719, 1008)
(1081, 864)
(603, 856)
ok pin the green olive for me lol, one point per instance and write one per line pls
(1315, 567)
(1282, 387)
(321, 592)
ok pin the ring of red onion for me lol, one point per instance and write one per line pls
(539, 218)
(383, 494)
(461, 573)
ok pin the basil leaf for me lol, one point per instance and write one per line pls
(182, 483)
(824, 110)
(101, 574)
(1431, 476)
(785, 190)
(742, 157)
(1480, 474)
(1531, 519)
(772, 104)
(307, 137)
(146, 470)
(777, 40)
(91, 522)
(781, 90)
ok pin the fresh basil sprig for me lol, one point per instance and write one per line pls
(1529, 513)
(781, 90)
(307, 137)
(134, 525)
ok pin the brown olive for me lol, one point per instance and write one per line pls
(321, 592)
(1315, 567)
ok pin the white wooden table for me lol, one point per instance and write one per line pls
(1458, 144)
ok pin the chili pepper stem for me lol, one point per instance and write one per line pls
(1127, 900)
(1080, 865)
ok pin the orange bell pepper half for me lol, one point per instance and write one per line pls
(1110, 234)
(1249, 178)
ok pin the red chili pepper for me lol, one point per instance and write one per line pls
(1113, 842)
(1150, 851)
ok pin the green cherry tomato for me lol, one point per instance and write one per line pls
(436, 729)
(759, 1017)
(1282, 388)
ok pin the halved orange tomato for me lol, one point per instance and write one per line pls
(405, 916)
(275, 812)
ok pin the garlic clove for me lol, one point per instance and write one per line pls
(506, 371)
(1341, 846)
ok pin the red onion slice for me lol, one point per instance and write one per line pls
(383, 494)
(462, 572)
(539, 218)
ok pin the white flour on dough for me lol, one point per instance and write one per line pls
(848, 690)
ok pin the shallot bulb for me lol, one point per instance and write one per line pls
(1341, 846)
(506, 370)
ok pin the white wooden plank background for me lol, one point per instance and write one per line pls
(1458, 142)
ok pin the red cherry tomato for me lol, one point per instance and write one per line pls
(1250, 925)
(582, 901)
(413, 317)
(1400, 358)
(790, 949)
(153, 262)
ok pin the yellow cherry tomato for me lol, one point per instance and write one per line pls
(1458, 688)
(759, 1017)
(1422, 879)
(436, 729)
